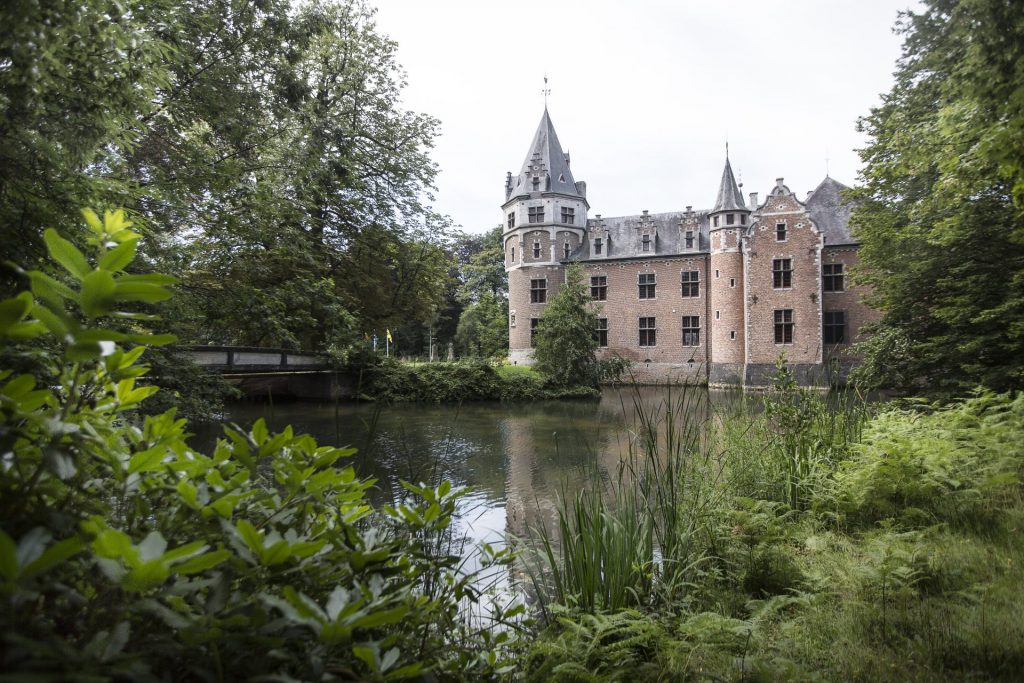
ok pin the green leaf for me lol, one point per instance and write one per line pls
(66, 254)
(14, 310)
(54, 555)
(32, 545)
(50, 290)
(202, 562)
(368, 655)
(93, 221)
(148, 460)
(120, 256)
(381, 618)
(140, 291)
(149, 279)
(97, 297)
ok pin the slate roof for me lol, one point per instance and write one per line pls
(545, 157)
(729, 197)
(623, 239)
(831, 213)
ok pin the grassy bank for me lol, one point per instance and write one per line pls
(810, 541)
(467, 380)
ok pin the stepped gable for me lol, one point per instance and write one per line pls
(831, 213)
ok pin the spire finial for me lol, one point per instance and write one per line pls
(727, 149)
(826, 164)
(545, 92)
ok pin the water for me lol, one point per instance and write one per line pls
(516, 458)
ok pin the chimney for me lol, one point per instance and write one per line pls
(753, 201)
(689, 209)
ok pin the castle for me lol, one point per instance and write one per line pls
(710, 295)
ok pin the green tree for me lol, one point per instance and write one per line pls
(482, 295)
(564, 347)
(483, 328)
(943, 238)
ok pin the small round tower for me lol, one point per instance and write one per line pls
(727, 223)
(545, 219)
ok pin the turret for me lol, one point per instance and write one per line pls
(545, 219)
(728, 222)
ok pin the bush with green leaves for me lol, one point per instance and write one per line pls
(127, 554)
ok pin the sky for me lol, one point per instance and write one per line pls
(644, 94)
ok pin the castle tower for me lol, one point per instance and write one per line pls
(728, 221)
(545, 219)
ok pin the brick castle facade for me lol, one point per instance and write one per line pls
(710, 295)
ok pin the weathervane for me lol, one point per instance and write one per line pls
(546, 91)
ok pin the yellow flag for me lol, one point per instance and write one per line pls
(390, 340)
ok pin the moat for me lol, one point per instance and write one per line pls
(515, 457)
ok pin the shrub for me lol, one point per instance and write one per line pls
(124, 553)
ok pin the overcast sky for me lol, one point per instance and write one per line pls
(644, 94)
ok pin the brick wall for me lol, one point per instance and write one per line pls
(727, 333)
(519, 300)
(803, 247)
(624, 308)
(850, 300)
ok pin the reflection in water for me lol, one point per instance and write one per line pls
(515, 457)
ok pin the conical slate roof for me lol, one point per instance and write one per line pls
(729, 197)
(546, 159)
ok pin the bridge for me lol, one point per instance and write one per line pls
(273, 372)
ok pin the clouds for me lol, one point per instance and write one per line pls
(644, 94)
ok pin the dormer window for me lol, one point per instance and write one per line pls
(568, 215)
(730, 218)
(743, 219)
(536, 182)
(645, 243)
(597, 246)
(689, 239)
(714, 221)
(535, 214)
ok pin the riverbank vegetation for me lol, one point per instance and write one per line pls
(812, 541)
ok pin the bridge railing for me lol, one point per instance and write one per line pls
(253, 359)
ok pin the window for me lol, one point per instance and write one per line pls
(743, 219)
(730, 218)
(832, 277)
(691, 283)
(512, 219)
(535, 214)
(568, 215)
(691, 330)
(718, 315)
(732, 282)
(646, 284)
(784, 326)
(714, 221)
(536, 182)
(835, 327)
(689, 239)
(513, 254)
(716, 273)
(645, 242)
(565, 249)
(601, 333)
(534, 325)
(597, 246)
(648, 333)
(536, 249)
(732, 334)
(599, 288)
(780, 232)
(538, 291)
(782, 273)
